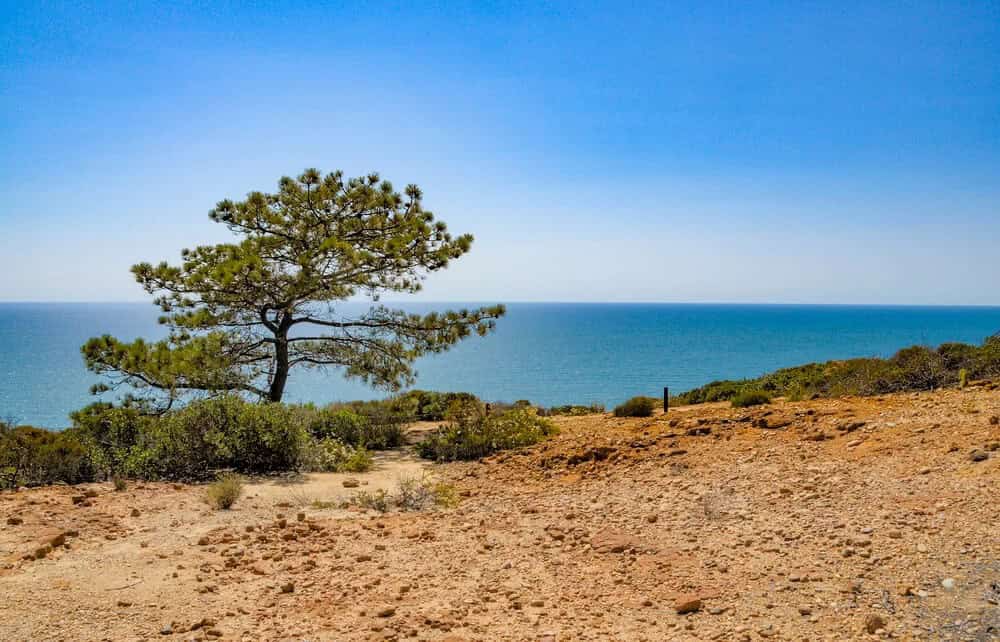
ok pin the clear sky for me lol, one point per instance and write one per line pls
(840, 152)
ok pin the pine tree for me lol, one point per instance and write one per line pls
(243, 315)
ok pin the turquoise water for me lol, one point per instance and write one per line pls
(548, 353)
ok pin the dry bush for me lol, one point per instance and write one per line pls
(223, 492)
(410, 494)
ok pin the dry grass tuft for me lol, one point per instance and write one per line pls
(223, 492)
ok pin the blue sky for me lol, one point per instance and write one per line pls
(755, 152)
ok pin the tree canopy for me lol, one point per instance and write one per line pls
(241, 315)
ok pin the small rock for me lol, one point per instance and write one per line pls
(611, 540)
(14, 521)
(978, 455)
(687, 604)
(388, 611)
(948, 584)
(351, 482)
(135, 512)
(287, 587)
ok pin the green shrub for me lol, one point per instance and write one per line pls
(332, 456)
(192, 442)
(359, 461)
(749, 398)
(346, 426)
(963, 378)
(714, 391)
(636, 407)
(472, 434)
(986, 364)
(577, 410)
(325, 455)
(466, 411)
(918, 368)
(432, 406)
(265, 437)
(956, 356)
(370, 426)
(223, 492)
(795, 392)
(32, 456)
(114, 436)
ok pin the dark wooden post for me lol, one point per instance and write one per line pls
(666, 399)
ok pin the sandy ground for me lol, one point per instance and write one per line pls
(823, 520)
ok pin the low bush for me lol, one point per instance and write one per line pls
(332, 456)
(368, 427)
(115, 437)
(577, 410)
(378, 500)
(637, 407)
(359, 461)
(223, 492)
(471, 433)
(427, 405)
(986, 363)
(32, 456)
(192, 442)
(410, 494)
(749, 398)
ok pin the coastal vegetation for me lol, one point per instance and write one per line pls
(575, 410)
(34, 455)
(637, 407)
(230, 434)
(243, 315)
(747, 398)
(910, 369)
(471, 432)
(206, 437)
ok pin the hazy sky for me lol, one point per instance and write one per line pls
(705, 151)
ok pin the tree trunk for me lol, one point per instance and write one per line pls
(280, 372)
(280, 362)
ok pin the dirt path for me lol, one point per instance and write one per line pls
(815, 520)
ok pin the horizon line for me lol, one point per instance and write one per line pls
(551, 302)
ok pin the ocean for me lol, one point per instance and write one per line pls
(549, 353)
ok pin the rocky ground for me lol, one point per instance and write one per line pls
(821, 520)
